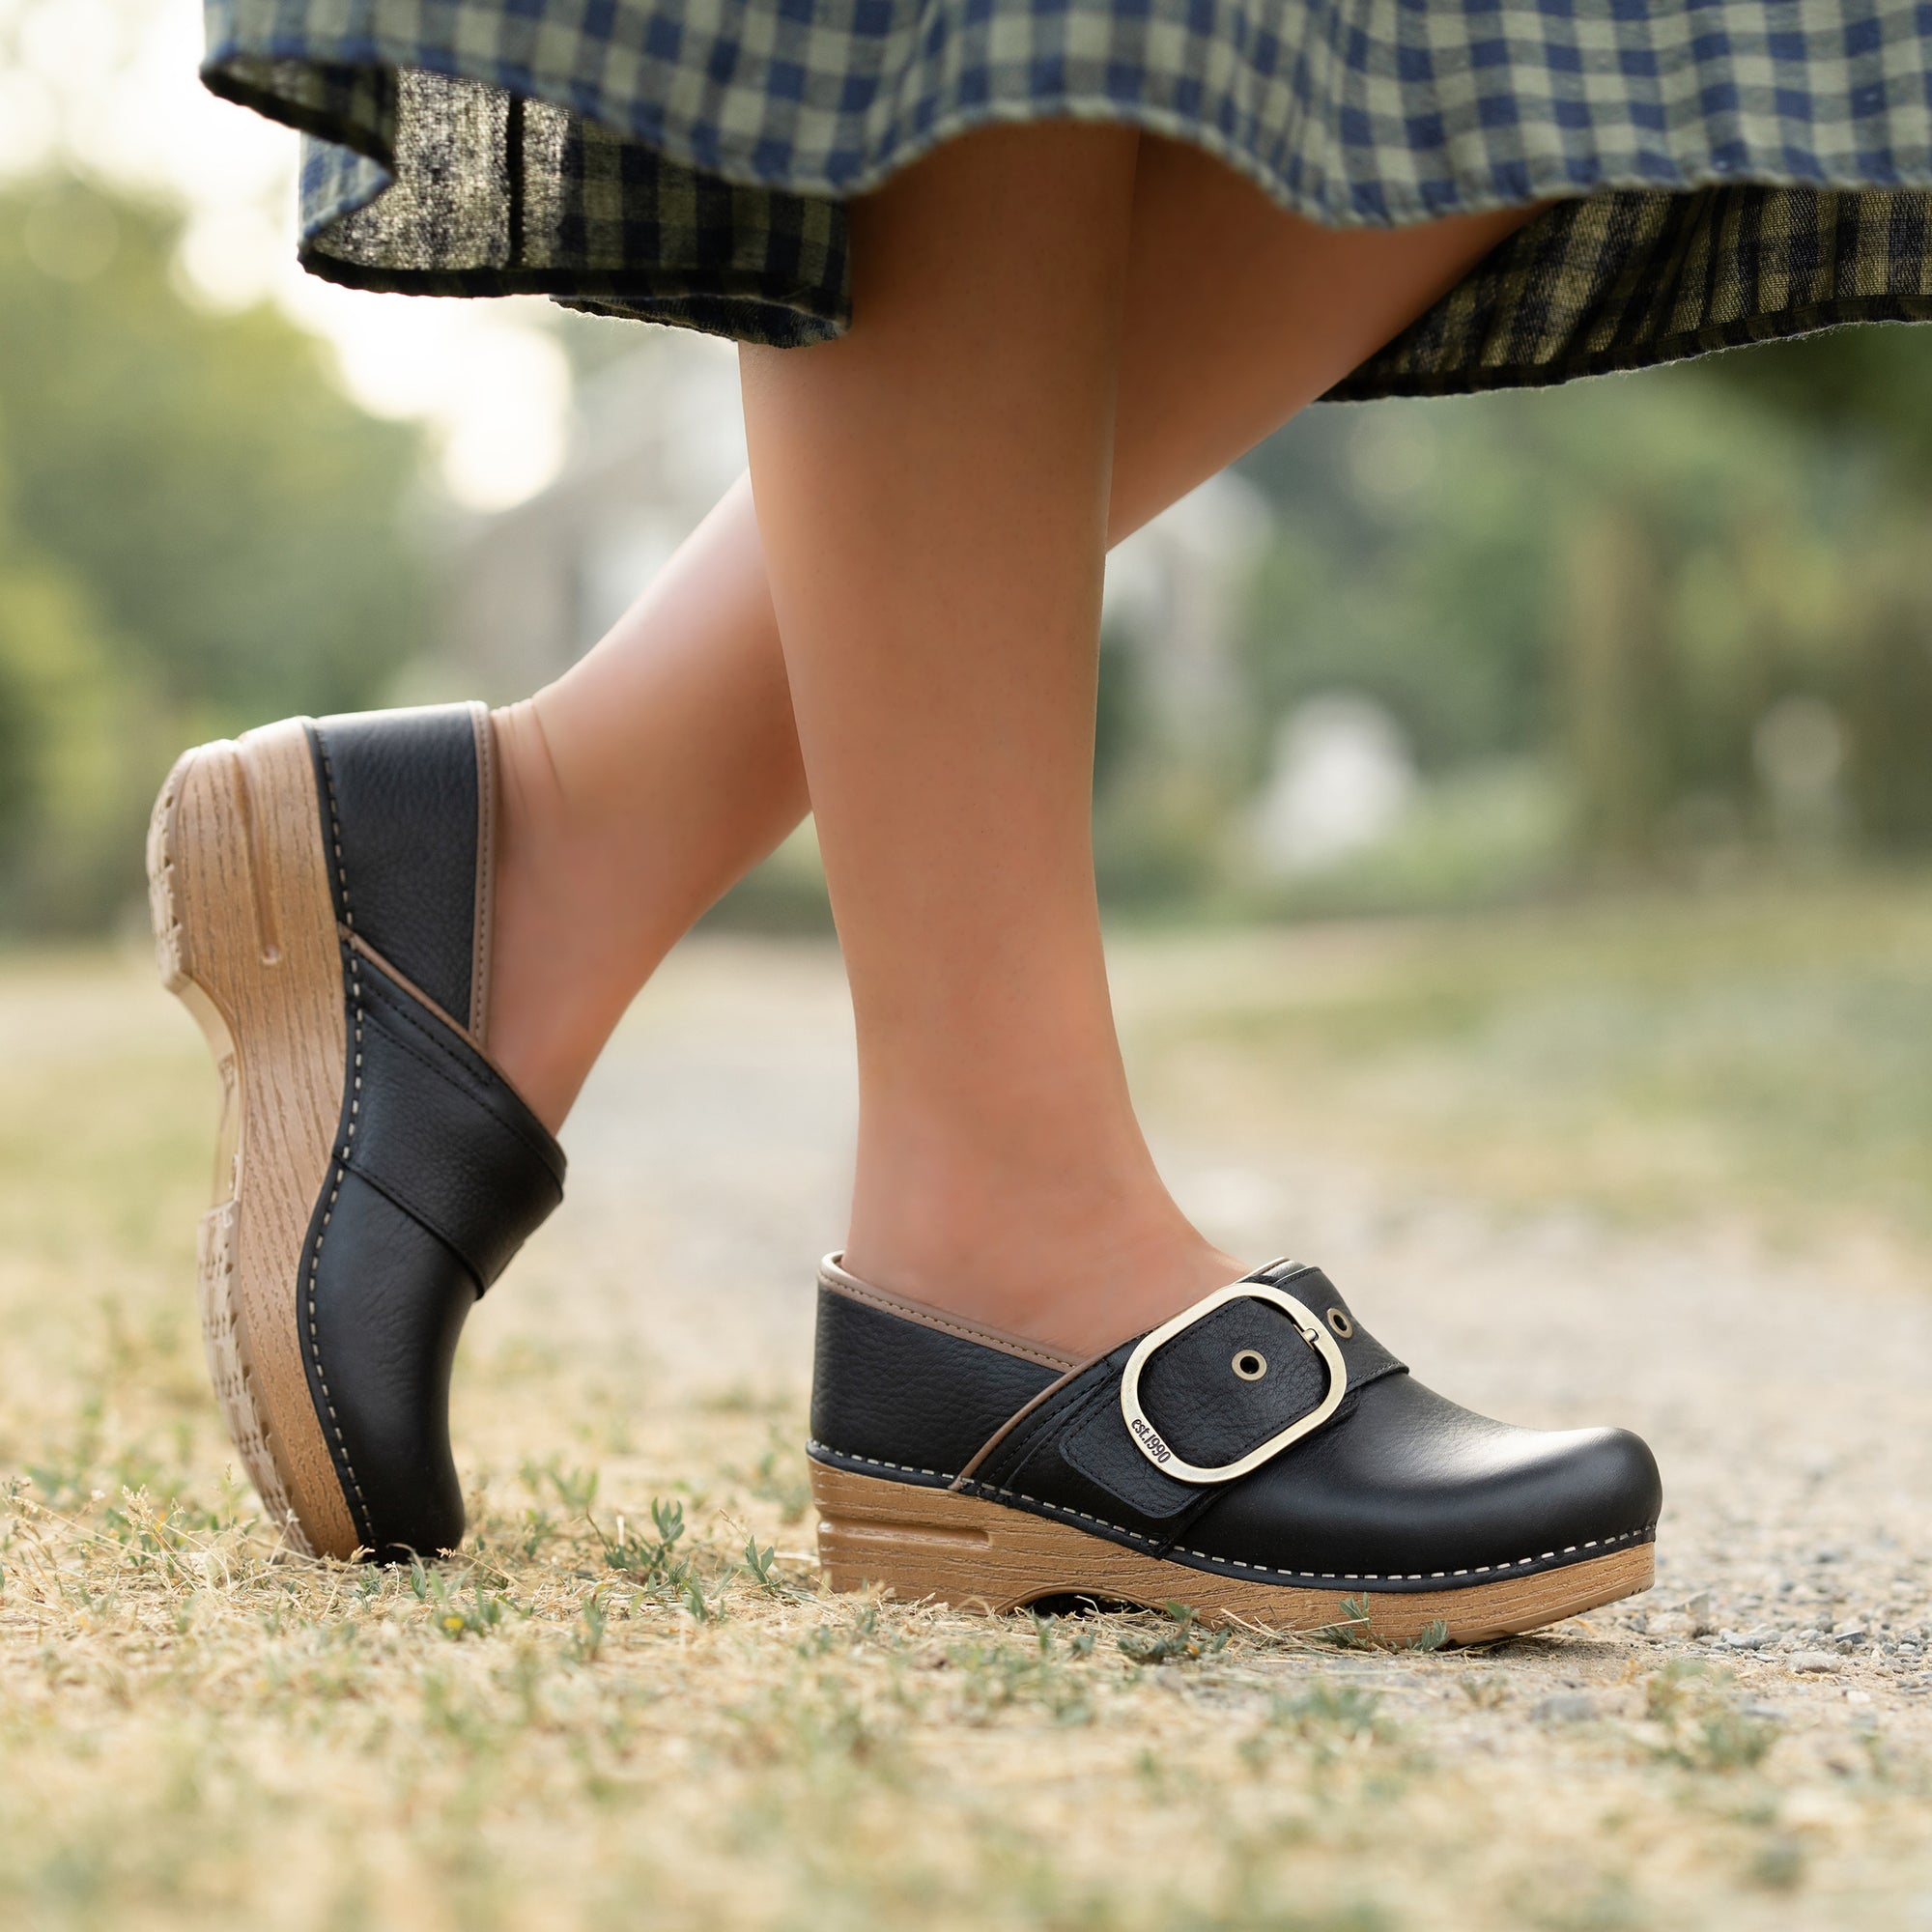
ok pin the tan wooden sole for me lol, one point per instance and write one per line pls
(246, 936)
(925, 1543)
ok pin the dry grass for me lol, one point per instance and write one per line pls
(1764, 1052)
(630, 1703)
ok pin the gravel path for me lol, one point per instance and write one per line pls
(1788, 1404)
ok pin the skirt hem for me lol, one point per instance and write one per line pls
(1467, 189)
(1636, 256)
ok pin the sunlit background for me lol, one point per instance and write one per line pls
(1673, 627)
(1647, 656)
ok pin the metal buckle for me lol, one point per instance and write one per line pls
(1147, 1439)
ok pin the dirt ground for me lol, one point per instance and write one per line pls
(588, 1721)
(1789, 1395)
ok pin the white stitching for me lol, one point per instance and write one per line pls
(1224, 1562)
(341, 1167)
(904, 1468)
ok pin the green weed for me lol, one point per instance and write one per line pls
(1704, 1728)
(1188, 1642)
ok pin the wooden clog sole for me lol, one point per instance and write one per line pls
(246, 936)
(916, 1543)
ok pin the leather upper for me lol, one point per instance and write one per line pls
(403, 814)
(440, 1172)
(908, 1394)
(1400, 1487)
(441, 1133)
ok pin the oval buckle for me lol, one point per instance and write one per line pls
(1147, 1439)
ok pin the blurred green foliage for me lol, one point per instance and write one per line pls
(1692, 606)
(198, 531)
(1644, 627)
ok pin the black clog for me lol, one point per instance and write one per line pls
(321, 892)
(1259, 1455)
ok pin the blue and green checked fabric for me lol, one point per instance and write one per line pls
(1730, 170)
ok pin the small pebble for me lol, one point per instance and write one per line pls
(1813, 1659)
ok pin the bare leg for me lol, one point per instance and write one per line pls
(664, 766)
(636, 789)
(932, 492)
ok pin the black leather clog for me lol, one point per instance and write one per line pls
(1259, 1455)
(321, 892)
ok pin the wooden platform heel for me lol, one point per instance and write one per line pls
(245, 932)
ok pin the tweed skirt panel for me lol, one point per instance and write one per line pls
(1725, 171)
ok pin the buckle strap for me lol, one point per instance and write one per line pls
(1076, 1445)
(1247, 1363)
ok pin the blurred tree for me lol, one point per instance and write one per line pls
(1873, 381)
(1632, 583)
(67, 719)
(1617, 689)
(1888, 713)
(199, 531)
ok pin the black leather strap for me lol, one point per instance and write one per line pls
(439, 1174)
(441, 1134)
(1206, 1410)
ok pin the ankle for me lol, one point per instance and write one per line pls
(1081, 1269)
(549, 1013)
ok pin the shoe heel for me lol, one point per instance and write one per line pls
(245, 937)
(916, 1543)
(228, 1367)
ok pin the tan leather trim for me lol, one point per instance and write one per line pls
(1019, 1416)
(485, 916)
(357, 944)
(832, 1275)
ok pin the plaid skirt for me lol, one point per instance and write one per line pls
(1729, 171)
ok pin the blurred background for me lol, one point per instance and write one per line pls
(1676, 627)
(1514, 823)
(1607, 708)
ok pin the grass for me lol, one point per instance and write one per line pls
(1764, 1055)
(630, 1703)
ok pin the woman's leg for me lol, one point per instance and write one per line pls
(932, 491)
(934, 495)
(664, 765)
